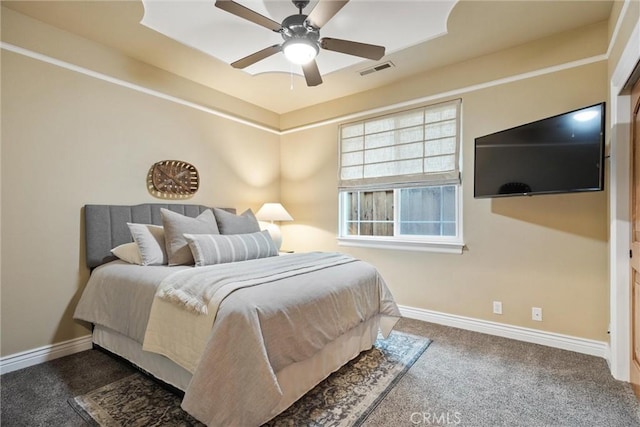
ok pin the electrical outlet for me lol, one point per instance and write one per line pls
(497, 307)
(536, 314)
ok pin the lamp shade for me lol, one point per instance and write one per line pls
(273, 212)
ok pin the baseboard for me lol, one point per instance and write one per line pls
(550, 339)
(16, 361)
(28, 358)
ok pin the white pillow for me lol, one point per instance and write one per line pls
(150, 241)
(209, 249)
(128, 252)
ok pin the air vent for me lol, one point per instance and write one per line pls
(377, 68)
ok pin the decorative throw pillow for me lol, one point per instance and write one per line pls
(175, 225)
(209, 249)
(128, 252)
(150, 241)
(229, 223)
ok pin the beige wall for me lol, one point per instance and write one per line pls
(68, 140)
(544, 251)
(25, 32)
(561, 49)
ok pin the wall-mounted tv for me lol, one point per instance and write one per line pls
(559, 154)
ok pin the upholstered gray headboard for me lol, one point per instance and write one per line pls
(106, 225)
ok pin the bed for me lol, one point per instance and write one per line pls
(245, 347)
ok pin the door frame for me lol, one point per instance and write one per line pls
(620, 210)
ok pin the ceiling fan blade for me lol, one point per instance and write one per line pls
(324, 11)
(248, 14)
(364, 50)
(311, 73)
(255, 57)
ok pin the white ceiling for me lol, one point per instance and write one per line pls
(200, 25)
(473, 28)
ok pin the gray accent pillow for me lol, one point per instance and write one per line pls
(150, 241)
(209, 249)
(229, 223)
(176, 225)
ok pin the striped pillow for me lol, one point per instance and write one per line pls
(209, 249)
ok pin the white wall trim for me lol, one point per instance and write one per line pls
(39, 355)
(24, 359)
(100, 76)
(619, 210)
(550, 339)
(444, 247)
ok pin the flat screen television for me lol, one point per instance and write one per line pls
(559, 154)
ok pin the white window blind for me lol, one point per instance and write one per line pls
(415, 147)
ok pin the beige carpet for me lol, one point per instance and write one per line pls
(476, 379)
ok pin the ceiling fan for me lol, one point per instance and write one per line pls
(301, 34)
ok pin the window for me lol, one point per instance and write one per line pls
(400, 180)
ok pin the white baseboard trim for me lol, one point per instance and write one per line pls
(550, 339)
(28, 358)
(24, 359)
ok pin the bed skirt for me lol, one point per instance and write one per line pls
(295, 380)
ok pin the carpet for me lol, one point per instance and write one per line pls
(345, 398)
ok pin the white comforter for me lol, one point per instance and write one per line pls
(258, 330)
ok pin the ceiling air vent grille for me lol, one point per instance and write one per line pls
(377, 68)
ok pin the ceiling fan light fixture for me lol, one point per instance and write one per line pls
(300, 51)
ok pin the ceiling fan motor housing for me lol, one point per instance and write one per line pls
(300, 39)
(297, 27)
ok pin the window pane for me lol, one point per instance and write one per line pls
(420, 229)
(449, 204)
(428, 211)
(369, 213)
(449, 229)
(352, 206)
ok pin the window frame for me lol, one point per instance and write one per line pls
(444, 244)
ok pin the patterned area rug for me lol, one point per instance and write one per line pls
(344, 399)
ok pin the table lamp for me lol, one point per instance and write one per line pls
(273, 212)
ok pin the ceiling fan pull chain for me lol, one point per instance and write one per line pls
(291, 74)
